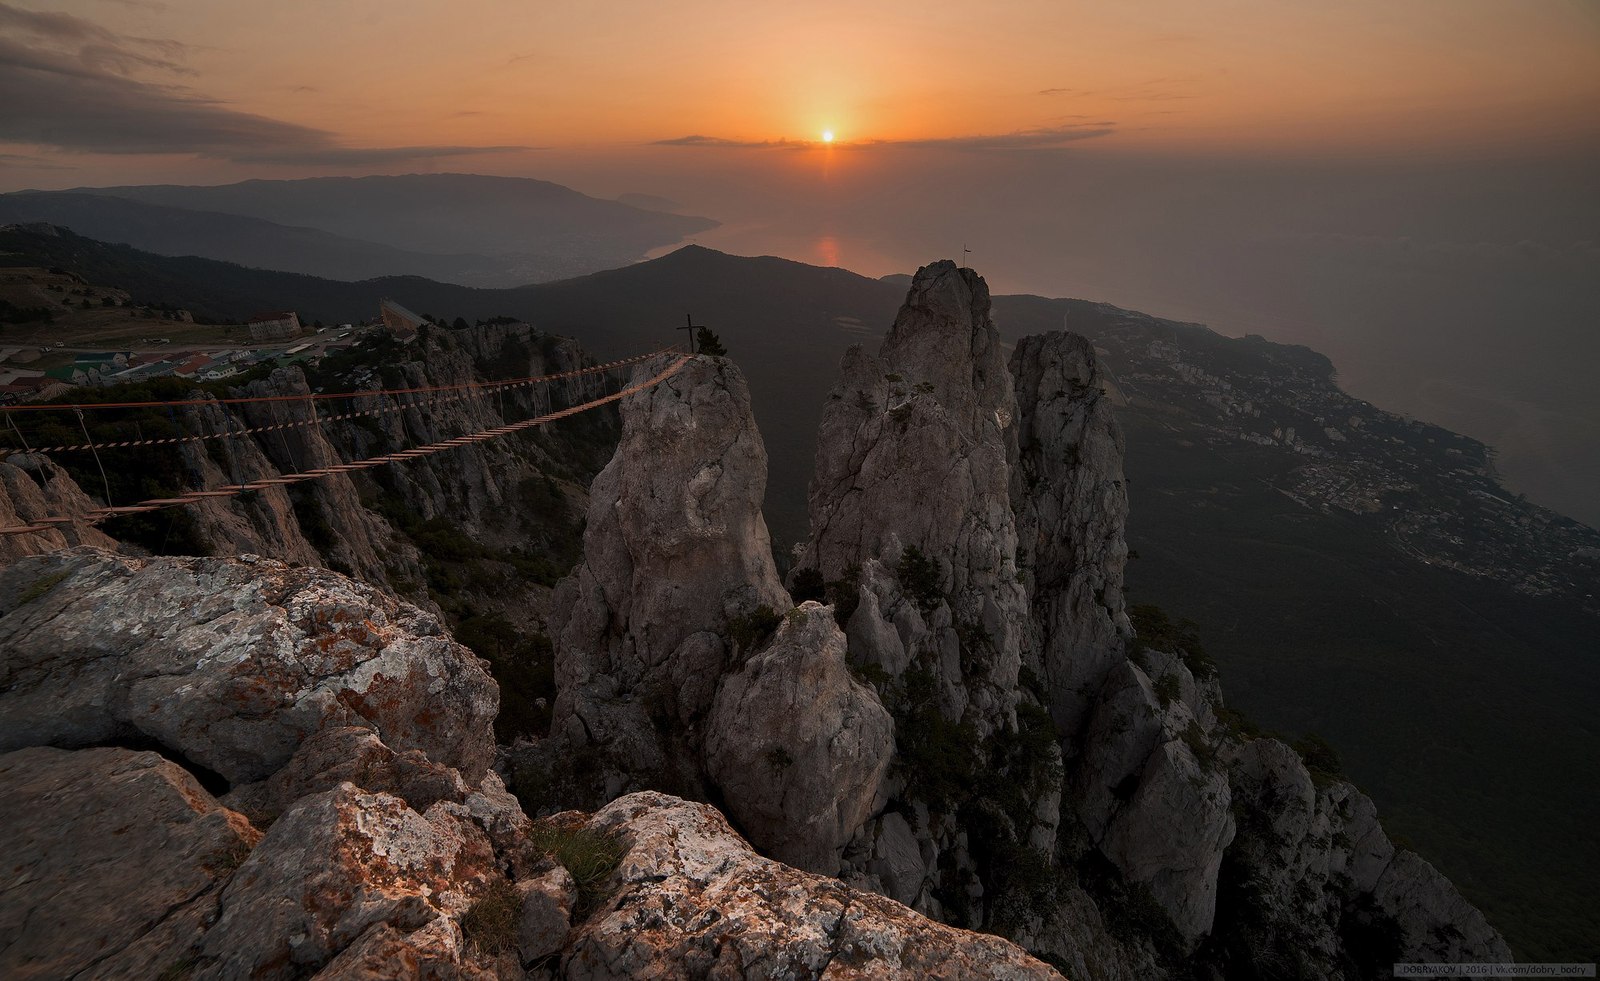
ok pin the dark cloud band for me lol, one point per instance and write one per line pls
(72, 89)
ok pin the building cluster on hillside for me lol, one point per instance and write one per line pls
(267, 334)
(20, 382)
(1435, 491)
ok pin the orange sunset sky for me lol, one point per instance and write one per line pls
(198, 90)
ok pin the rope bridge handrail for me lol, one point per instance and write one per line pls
(231, 490)
(321, 396)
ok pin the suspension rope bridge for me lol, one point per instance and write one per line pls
(424, 397)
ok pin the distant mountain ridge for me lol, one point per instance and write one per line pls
(456, 228)
(253, 242)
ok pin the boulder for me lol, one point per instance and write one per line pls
(436, 952)
(547, 905)
(798, 747)
(691, 899)
(1171, 833)
(230, 663)
(114, 860)
(348, 754)
(897, 859)
(337, 864)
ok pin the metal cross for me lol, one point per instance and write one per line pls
(691, 327)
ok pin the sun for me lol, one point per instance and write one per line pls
(827, 136)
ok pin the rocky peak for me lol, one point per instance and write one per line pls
(945, 338)
(680, 663)
(1071, 503)
(967, 522)
(675, 549)
(909, 503)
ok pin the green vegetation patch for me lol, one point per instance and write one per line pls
(589, 856)
(753, 629)
(1157, 631)
(919, 579)
(490, 923)
(41, 586)
(1320, 758)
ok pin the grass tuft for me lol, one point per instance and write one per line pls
(589, 857)
(490, 923)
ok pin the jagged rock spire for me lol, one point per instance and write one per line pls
(674, 549)
(913, 454)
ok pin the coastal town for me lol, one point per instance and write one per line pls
(1279, 411)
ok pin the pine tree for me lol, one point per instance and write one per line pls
(709, 343)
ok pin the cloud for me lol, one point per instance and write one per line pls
(1155, 90)
(1042, 138)
(343, 156)
(31, 162)
(75, 90)
(46, 24)
(717, 141)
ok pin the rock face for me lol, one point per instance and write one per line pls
(674, 549)
(230, 663)
(798, 747)
(1071, 503)
(967, 524)
(690, 899)
(912, 453)
(84, 832)
(32, 487)
(969, 728)
(490, 526)
(1326, 878)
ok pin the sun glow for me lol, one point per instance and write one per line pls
(827, 136)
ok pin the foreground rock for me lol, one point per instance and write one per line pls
(337, 865)
(229, 663)
(691, 899)
(114, 862)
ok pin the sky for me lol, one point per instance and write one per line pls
(1409, 186)
(201, 91)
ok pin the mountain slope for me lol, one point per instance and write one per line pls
(533, 230)
(175, 231)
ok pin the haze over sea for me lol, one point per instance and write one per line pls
(1463, 293)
